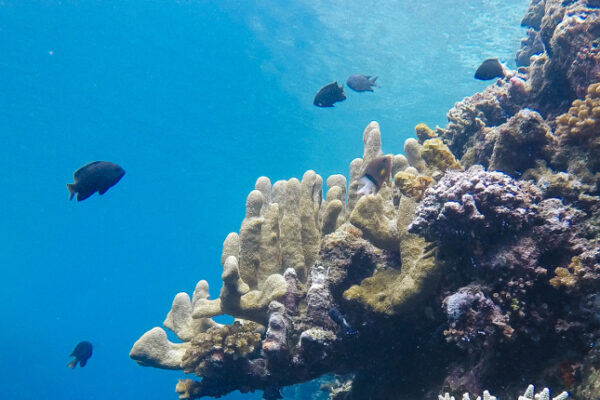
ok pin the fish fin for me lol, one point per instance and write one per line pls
(72, 364)
(84, 195)
(372, 80)
(72, 190)
(103, 190)
(82, 363)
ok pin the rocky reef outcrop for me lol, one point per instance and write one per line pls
(477, 266)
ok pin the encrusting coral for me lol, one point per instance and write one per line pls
(460, 273)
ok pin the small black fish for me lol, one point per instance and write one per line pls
(329, 94)
(489, 69)
(376, 173)
(361, 83)
(82, 353)
(97, 176)
(337, 317)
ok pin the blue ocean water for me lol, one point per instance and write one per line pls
(195, 99)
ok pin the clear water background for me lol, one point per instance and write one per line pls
(195, 99)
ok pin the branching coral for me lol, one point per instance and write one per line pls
(326, 249)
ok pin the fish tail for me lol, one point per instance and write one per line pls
(72, 364)
(72, 190)
(372, 79)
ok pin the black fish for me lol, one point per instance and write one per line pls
(489, 69)
(329, 94)
(82, 353)
(97, 176)
(337, 317)
(361, 83)
(376, 173)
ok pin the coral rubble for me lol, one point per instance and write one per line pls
(480, 255)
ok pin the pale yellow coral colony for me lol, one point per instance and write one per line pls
(282, 229)
(581, 121)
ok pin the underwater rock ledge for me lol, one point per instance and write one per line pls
(459, 274)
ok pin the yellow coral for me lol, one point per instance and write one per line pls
(581, 121)
(410, 185)
(567, 277)
(391, 291)
(437, 155)
(424, 132)
(184, 388)
(235, 341)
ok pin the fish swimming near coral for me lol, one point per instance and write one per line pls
(97, 176)
(82, 353)
(489, 69)
(337, 317)
(361, 83)
(329, 94)
(376, 173)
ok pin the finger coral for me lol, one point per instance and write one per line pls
(295, 258)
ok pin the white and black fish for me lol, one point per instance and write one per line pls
(376, 173)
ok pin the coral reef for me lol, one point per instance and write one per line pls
(295, 258)
(482, 253)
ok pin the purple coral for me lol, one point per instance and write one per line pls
(458, 303)
(475, 203)
(473, 317)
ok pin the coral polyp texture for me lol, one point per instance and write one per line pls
(476, 266)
